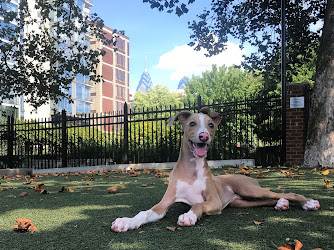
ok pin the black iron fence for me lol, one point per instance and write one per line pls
(250, 128)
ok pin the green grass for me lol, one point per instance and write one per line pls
(81, 220)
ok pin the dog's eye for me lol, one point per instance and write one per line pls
(211, 125)
(192, 124)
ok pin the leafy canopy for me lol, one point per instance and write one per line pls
(43, 48)
(256, 22)
(224, 84)
(156, 96)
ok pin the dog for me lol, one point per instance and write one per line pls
(192, 182)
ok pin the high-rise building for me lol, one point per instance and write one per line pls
(79, 89)
(145, 81)
(112, 92)
(9, 106)
(182, 83)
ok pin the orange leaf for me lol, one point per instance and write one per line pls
(297, 246)
(38, 187)
(44, 191)
(135, 174)
(326, 172)
(24, 225)
(171, 229)
(258, 222)
(122, 187)
(112, 189)
(89, 189)
(23, 194)
(144, 185)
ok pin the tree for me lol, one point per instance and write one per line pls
(43, 48)
(258, 23)
(157, 96)
(320, 140)
(223, 83)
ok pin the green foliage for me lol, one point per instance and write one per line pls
(224, 84)
(40, 63)
(157, 96)
(257, 23)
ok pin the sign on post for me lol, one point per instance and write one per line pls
(297, 102)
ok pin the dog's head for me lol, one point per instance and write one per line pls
(199, 129)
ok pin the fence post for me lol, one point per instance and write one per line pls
(125, 158)
(63, 139)
(199, 103)
(10, 141)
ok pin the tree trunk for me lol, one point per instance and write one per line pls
(320, 142)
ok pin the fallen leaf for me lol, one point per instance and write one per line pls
(112, 189)
(146, 171)
(314, 170)
(134, 174)
(258, 222)
(326, 172)
(171, 229)
(3, 189)
(280, 187)
(260, 176)
(89, 189)
(44, 191)
(24, 225)
(23, 194)
(327, 183)
(38, 187)
(144, 185)
(122, 187)
(287, 246)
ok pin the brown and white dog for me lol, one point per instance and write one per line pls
(192, 182)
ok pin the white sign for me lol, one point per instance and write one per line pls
(297, 102)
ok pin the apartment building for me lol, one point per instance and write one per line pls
(80, 88)
(112, 92)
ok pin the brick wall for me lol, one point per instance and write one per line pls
(296, 124)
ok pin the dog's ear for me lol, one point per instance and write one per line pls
(182, 116)
(215, 116)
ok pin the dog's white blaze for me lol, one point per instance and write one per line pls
(202, 128)
(192, 193)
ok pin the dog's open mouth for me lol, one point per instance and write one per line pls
(199, 149)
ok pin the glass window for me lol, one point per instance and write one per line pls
(87, 93)
(80, 107)
(79, 91)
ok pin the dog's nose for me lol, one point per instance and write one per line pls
(204, 136)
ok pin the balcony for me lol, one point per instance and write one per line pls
(88, 3)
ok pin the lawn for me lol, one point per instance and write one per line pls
(82, 219)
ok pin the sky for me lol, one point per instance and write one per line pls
(162, 38)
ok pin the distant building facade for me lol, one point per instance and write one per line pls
(182, 83)
(110, 94)
(79, 88)
(145, 81)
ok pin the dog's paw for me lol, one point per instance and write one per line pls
(311, 205)
(187, 219)
(123, 224)
(282, 204)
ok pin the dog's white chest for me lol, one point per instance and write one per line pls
(192, 193)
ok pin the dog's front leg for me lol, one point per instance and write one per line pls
(155, 213)
(195, 213)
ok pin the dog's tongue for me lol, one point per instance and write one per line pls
(200, 150)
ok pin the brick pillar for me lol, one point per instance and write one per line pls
(296, 122)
